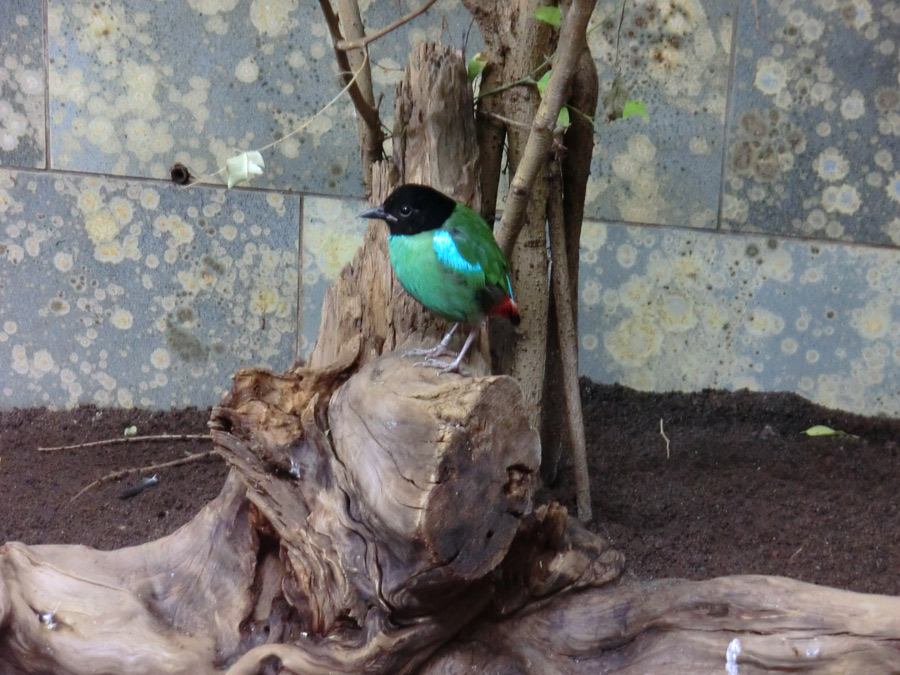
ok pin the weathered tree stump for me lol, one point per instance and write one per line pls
(366, 521)
(378, 519)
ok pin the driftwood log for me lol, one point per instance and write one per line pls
(378, 518)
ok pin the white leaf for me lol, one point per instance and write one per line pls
(242, 166)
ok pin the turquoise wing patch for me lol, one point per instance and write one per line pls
(449, 255)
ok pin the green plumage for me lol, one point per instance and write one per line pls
(446, 257)
(461, 292)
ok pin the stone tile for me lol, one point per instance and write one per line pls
(814, 130)
(22, 85)
(683, 310)
(136, 85)
(126, 293)
(332, 232)
(674, 56)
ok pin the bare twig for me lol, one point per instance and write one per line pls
(130, 439)
(568, 342)
(360, 100)
(371, 137)
(666, 438)
(521, 82)
(506, 120)
(363, 41)
(572, 41)
(121, 473)
(618, 35)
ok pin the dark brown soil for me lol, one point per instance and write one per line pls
(743, 491)
(36, 487)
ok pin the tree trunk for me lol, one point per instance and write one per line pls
(515, 45)
(575, 171)
(378, 518)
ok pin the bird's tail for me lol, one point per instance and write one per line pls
(507, 307)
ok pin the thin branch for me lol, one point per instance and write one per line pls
(505, 120)
(568, 343)
(363, 41)
(522, 81)
(371, 138)
(572, 42)
(130, 439)
(618, 35)
(363, 107)
(528, 80)
(115, 475)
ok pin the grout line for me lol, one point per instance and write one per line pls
(717, 232)
(729, 103)
(304, 195)
(167, 181)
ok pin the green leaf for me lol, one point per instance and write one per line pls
(549, 14)
(542, 83)
(131, 431)
(563, 119)
(822, 430)
(634, 107)
(476, 65)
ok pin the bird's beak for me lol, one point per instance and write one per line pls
(379, 213)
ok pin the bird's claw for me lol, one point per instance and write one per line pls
(443, 368)
(430, 354)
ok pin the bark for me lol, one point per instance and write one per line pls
(515, 45)
(683, 627)
(568, 346)
(576, 169)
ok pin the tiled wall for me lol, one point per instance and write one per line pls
(745, 234)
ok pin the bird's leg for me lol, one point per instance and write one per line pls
(453, 367)
(439, 350)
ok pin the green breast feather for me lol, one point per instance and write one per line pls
(453, 270)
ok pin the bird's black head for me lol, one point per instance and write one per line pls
(411, 209)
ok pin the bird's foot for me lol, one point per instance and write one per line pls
(441, 349)
(442, 367)
(430, 354)
(453, 366)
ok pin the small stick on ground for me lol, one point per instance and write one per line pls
(663, 434)
(121, 473)
(130, 439)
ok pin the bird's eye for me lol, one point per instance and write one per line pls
(405, 210)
